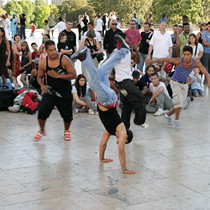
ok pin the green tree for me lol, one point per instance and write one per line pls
(124, 8)
(28, 10)
(42, 13)
(74, 8)
(13, 7)
(174, 10)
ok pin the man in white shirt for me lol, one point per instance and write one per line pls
(160, 97)
(161, 43)
(99, 24)
(60, 26)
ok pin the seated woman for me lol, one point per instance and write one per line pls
(82, 96)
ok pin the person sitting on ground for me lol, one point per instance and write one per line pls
(82, 96)
(160, 97)
(107, 100)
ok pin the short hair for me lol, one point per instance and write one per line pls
(60, 18)
(209, 23)
(49, 43)
(175, 25)
(91, 34)
(184, 17)
(46, 21)
(186, 24)
(16, 36)
(154, 74)
(91, 23)
(61, 35)
(34, 43)
(146, 23)
(188, 48)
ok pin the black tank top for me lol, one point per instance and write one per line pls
(61, 86)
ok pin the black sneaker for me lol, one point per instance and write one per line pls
(120, 42)
(80, 54)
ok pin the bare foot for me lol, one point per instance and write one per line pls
(129, 172)
(106, 160)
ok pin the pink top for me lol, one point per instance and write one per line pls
(133, 36)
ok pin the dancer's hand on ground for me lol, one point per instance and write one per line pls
(125, 171)
(106, 160)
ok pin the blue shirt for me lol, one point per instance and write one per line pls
(206, 36)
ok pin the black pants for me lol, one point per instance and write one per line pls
(64, 106)
(133, 101)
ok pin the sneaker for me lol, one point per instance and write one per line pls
(145, 125)
(188, 100)
(90, 111)
(159, 112)
(168, 120)
(80, 54)
(14, 108)
(67, 136)
(76, 111)
(177, 123)
(120, 42)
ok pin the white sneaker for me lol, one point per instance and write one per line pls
(145, 125)
(159, 112)
(14, 108)
(90, 111)
(168, 120)
(177, 123)
(76, 111)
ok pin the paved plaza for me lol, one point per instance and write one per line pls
(172, 164)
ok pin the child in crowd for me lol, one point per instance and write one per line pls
(82, 96)
(32, 30)
(35, 53)
(196, 87)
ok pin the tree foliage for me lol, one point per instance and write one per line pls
(74, 8)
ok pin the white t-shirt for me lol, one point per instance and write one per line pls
(60, 26)
(99, 24)
(154, 89)
(199, 48)
(161, 44)
(97, 38)
(123, 69)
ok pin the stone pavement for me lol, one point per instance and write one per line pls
(173, 165)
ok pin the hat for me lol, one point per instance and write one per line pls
(136, 74)
(168, 67)
(130, 136)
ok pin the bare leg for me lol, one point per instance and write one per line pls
(102, 148)
(66, 125)
(177, 113)
(42, 125)
(23, 79)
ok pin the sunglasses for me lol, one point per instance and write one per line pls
(114, 24)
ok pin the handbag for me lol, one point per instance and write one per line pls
(100, 56)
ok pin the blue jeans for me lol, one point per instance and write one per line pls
(98, 79)
(140, 66)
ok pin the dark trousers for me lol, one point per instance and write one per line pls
(23, 31)
(133, 101)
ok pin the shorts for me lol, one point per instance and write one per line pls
(180, 92)
(110, 119)
(51, 26)
(64, 105)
